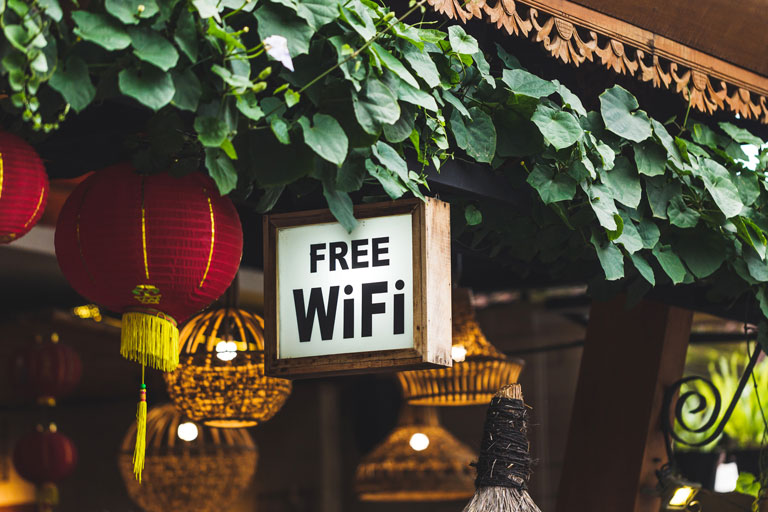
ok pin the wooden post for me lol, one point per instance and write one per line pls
(615, 442)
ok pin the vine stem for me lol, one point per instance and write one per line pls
(364, 47)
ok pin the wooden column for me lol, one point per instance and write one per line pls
(615, 442)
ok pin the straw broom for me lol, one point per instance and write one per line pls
(504, 465)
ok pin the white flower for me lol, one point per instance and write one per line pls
(277, 48)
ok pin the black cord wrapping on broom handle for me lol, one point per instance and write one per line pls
(504, 457)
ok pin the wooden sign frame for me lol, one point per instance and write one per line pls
(431, 294)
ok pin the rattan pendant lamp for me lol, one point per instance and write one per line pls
(220, 378)
(188, 466)
(478, 370)
(418, 461)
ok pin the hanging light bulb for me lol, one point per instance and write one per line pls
(419, 441)
(187, 431)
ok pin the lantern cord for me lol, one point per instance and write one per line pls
(141, 430)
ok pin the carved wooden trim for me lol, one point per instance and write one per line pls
(574, 34)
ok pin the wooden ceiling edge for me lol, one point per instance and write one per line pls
(710, 84)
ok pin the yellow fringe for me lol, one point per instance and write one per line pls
(141, 439)
(150, 340)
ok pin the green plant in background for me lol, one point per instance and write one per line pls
(363, 103)
(745, 428)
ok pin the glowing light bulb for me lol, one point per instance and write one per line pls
(187, 431)
(226, 350)
(419, 441)
(681, 497)
(726, 476)
(458, 353)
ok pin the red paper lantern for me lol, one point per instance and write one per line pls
(46, 371)
(23, 187)
(154, 247)
(44, 456)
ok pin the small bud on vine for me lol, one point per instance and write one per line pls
(140, 8)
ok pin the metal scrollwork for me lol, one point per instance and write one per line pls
(701, 406)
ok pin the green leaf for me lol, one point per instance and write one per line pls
(186, 34)
(611, 258)
(269, 199)
(643, 268)
(403, 128)
(522, 82)
(280, 130)
(472, 215)
(740, 135)
(248, 105)
(350, 176)
(476, 136)
(325, 137)
(221, 169)
(757, 267)
(276, 20)
(387, 179)
(101, 29)
(229, 149)
(507, 58)
(659, 193)
(188, 90)
(360, 21)
(150, 46)
(516, 135)
(73, 82)
(375, 106)
(456, 103)
(630, 237)
(649, 232)
(601, 201)
(570, 100)
(207, 8)
(149, 86)
(461, 42)
(670, 263)
(748, 185)
(623, 183)
(680, 214)
(291, 97)
(393, 64)
(620, 114)
(650, 158)
(340, 205)
(550, 186)
(51, 8)
(211, 131)
(318, 13)
(390, 159)
(411, 94)
(702, 253)
(422, 64)
(666, 140)
(717, 181)
(559, 128)
(129, 12)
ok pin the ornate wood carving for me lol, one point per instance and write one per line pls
(575, 34)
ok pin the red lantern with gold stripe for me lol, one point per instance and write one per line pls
(46, 370)
(45, 457)
(23, 187)
(155, 248)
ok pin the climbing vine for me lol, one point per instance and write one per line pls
(341, 94)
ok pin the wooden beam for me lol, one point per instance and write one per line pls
(615, 442)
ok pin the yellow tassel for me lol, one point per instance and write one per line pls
(150, 339)
(141, 434)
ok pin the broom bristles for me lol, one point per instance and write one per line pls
(503, 499)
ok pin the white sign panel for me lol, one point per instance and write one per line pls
(340, 292)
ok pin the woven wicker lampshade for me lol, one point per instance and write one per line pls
(478, 370)
(418, 461)
(184, 476)
(220, 379)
